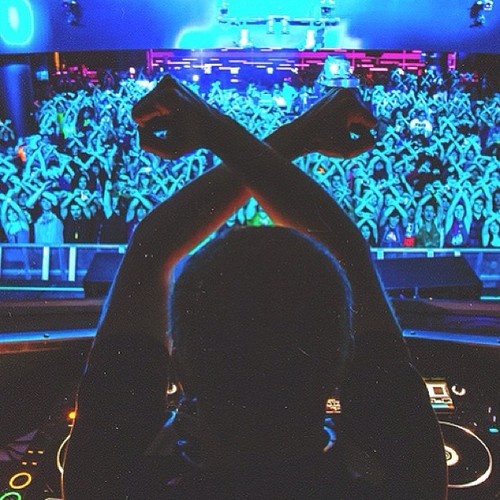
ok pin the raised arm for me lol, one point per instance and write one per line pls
(289, 196)
(386, 402)
(114, 423)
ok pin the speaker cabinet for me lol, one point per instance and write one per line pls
(424, 277)
(101, 273)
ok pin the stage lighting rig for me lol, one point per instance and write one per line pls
(327, 8)
(73, 12)
(285, 25)
(223, 11)
(315, 35)
(477, 11)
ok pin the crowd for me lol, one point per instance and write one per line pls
(432, 180)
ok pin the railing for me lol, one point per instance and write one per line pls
(64, 263)
(69, 263)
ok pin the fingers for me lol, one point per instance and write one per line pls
(159, 102)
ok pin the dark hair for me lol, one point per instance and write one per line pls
(260, 309)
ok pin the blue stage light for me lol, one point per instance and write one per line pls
(16, 22)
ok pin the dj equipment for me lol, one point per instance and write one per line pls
(463, 398)
(39, 374)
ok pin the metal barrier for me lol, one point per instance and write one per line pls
(69, 263)
(64, 263)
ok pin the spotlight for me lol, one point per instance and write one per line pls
(244, 41)
(336, 72)
(223, 16)
(285, 26)
(224, 9)
(270, 26)
(73, 12)
(310, 42)
(327, 7)
(477, 12)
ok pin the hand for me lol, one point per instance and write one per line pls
(338, 125)
(173, 121)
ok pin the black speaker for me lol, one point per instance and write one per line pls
(101, 273)
(426, 277)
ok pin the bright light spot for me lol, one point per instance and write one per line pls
(17, 24)
(13, 17)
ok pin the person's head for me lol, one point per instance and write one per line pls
(388, 199)
(141, 212)
(82, 182)
(470, 154)
(367, 232)
(261, 320)
(422, 115)
(336, 181)
(94, 209)
(494, 228)
(394, 219)
(22, 199)
(76, 211)
(144, 181)
(478, 206)
(45, 204)
(496, 200)
(12, 215)
(459, 212)
(429, 212)
(410, 213)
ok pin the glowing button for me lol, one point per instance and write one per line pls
(452, 457)
(11, 495)
(20, 480)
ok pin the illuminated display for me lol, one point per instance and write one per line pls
(439, 395)
(16, 22)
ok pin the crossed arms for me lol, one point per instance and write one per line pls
(252, 168)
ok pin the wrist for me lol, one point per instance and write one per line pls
(289, 140)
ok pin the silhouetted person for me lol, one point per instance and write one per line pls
(264, 323)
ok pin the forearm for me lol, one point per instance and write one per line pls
(178, 225)
(293, 199)
(170, 231)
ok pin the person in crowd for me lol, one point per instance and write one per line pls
(48, 227)
(478, 218)
(458, 221)
(491, 232)
(421, 128)
(238, 312)
(368, 230)
(78, 227)
(88, 130)
(392, 230)
(14, 222)
(113, 226)
(429, 226)
(139, 206)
